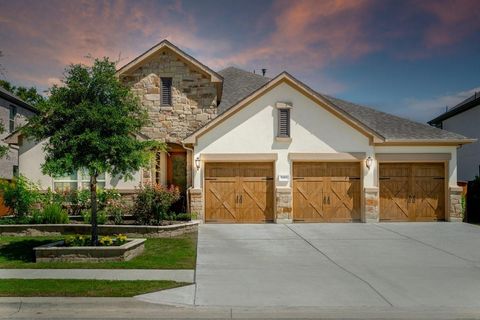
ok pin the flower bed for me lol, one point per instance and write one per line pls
(58, 251)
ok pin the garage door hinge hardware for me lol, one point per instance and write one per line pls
(354, 178)
(298, 178)
(439, 178)
(384, 178)
(210, 178)
(267, 178)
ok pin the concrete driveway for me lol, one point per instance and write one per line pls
(330, 265)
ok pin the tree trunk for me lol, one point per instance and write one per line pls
(93, 200)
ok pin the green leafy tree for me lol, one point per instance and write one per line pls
(29, 95)
(90, 123)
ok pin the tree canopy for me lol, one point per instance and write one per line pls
(90, 122)
(29, 95)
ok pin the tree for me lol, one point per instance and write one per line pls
(90, 123)
(29, 95)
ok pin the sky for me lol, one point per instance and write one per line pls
(409, 58)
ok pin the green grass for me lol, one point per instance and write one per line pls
(80, 288)
(169, 253)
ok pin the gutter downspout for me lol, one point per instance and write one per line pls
(191, 174)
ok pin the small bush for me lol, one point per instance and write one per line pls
(19, 195)
(153, 202)
(101, 217)
(77, 241)
(54, 214)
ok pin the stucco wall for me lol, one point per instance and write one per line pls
(31, 157)
(466, 123)
(253, 130)
(7, 163)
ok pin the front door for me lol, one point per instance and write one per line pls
(177, 176)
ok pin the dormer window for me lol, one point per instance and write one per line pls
(283, 126)
(166, 91)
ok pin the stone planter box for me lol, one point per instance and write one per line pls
(131, 231)
(56, 252)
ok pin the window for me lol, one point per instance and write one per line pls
(13, 114)
(166, 92)
(284, 123)
(15, 171)
(77, 180)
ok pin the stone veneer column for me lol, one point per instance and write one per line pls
(455, 205)
(372, 204)
(283, 208)
(196, 202)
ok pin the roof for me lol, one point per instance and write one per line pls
(392, 127)
(135, 63)
(7, 95)
(465, 105)
(237, 84)
(241, 86)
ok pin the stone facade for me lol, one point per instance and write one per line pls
(455, 212)
(196, 202)
(194, 97)
(372, 204)
(283, 205)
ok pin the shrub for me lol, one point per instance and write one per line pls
(106, 241)
(101, 217)
(153, 203)
(77, 241)
(76, 201)
(54, 213)
(19, 195)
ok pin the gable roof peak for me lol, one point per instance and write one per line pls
(185, 57)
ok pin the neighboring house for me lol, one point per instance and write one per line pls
(252, 149)
(13, 113)
(464, 118)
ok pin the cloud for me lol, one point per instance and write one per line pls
(426, 109)
(309, 34)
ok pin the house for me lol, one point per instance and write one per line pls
(14, 112)
(247, 148)
(464, 119)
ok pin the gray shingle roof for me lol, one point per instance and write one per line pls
(392, 127)
(238, 84)
(15, 99)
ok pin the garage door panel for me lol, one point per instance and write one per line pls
(343, 200)
(429, 199)
(412, 191)
(394, 193)
(326, 192)
(220, 204)
(256, 200)
(307, 200)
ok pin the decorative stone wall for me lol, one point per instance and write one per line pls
(372, 204)
(196, 202)
(194, 97)
(455, 212)
(284, 205)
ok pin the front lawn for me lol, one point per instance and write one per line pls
(80, 288)
(166, 253)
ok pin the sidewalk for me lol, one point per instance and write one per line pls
(99, 274)
(129, 308)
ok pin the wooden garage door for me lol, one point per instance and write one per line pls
(412, 192)
(326, 192)
(239, 192)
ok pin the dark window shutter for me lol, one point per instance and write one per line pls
(284, 122)
(166, 93)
